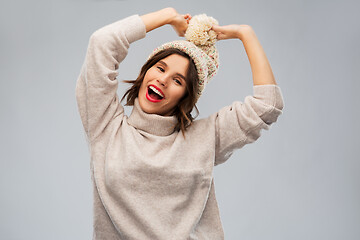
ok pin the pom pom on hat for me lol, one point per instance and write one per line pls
(199, 30)
(200, 46)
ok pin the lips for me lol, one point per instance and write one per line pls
(152, 96)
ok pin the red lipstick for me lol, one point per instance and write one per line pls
(153, 99)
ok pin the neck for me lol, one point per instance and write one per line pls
(151, 123)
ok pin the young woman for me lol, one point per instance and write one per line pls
(152, 171)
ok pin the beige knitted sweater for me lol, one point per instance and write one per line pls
(149, 182)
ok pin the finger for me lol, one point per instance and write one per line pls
(216, 28)
(187, 16)
(221, 36)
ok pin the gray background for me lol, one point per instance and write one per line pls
(300, 180)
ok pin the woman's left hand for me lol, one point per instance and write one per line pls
(231, 31)
(180, 23)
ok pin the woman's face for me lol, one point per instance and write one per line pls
(164, 85)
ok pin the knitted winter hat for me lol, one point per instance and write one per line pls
(200, 46)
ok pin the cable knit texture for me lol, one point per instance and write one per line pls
(148, 181)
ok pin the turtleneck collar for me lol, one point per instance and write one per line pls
(151, 123)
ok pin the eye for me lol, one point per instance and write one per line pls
(177, 81)
(161, 69)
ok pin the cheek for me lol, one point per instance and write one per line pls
(149, 74)
(180, 92)
(142, 87)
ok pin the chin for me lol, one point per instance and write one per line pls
(149, 107)
(145, 106)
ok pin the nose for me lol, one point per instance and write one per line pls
(162, 80)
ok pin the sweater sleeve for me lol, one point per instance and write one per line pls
(241, 123)
(97, 85)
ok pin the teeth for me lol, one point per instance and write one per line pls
(155, 90)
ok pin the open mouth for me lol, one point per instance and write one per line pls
(153, 94)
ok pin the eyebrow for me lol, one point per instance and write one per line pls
(180, 75)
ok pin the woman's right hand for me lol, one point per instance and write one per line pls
(164, 16)
(231, 31)
(179, 22)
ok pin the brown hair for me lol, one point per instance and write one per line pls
(186, 104)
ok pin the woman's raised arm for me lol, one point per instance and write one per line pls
(241, 123)
(97, 84)
(260, 66)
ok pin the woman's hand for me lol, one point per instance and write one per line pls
(180, 22)
(164, 16)
(231, 31)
